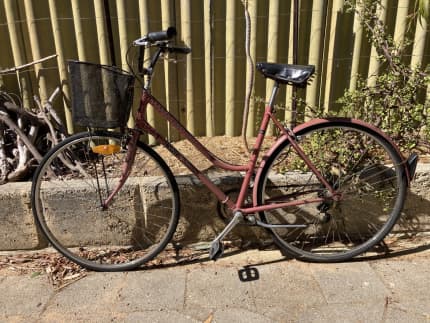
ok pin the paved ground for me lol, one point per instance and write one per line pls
(251, 286)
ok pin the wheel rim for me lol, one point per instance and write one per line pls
(361, 167)
(131, 230)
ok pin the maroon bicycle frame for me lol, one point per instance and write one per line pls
(142, 125)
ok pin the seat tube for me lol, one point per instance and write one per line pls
(257, 146)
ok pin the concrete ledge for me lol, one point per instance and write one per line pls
(198, 221)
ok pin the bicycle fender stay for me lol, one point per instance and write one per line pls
(408, 163)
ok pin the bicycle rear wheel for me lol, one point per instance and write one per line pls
(361, 165)
(72, 183)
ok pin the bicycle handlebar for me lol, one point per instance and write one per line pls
(155, 36)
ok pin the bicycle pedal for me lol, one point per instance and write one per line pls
(216, 250)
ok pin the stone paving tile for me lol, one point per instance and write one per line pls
(155, 290)
(158, 317)
(282, 290)
(220, 289)
(55, 317)
(23, 295)
(353, 282)
(409, 284)
(372, 311)
(239, 315)
(18, 319)
(95, 293)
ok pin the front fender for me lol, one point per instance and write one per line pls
(317, 122)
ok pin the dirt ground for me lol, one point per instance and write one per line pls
(229, 149)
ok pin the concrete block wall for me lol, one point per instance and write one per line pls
(199, 220)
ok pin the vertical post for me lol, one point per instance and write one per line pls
(62, 68)
(123, 43)
(419, 43)
(230, 68)
(272, 47)
(122, 29)
(295, 60)
(209, 68)
(101, 32)
(401, 21)
(17, 48)
(374, 61)
(252, 8)
(186, 37)
(171, 87)
(79, 32)
(315, 45)
(144, 29)
(358, 39)
(35, 48)
(289, 90)
(337, 7)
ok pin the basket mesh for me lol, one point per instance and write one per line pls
(101, 95)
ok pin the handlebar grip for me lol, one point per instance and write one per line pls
(161, 35)
(179, 50)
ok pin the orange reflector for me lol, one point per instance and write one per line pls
(106, 149)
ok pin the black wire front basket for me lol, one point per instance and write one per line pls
(102, 95)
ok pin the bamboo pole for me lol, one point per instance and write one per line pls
(101, 32)
(17, 49)
(122, 29)
(171, 87)
(401, 21)
(289, 90)
(62, 68)
(272, 47)
(317, 31)
(80, 36)
(337, 7)
(186, 37)
(209, 72)
(419, 43)
(144, 30)
(35, 49)
(374, 61)
(356, 53)
(230, 68)
(252, 8)
(123, 43)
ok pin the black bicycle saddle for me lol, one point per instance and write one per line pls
(287, 73)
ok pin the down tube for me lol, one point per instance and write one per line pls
(141, 123)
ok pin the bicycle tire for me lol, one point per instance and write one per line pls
(73, 179)
(361, 164)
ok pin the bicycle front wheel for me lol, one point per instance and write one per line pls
(361, 165)
(69, 191)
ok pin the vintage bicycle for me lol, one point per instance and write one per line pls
(328, 190)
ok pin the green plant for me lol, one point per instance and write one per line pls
(396, 99)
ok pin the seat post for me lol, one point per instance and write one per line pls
(273, 96)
